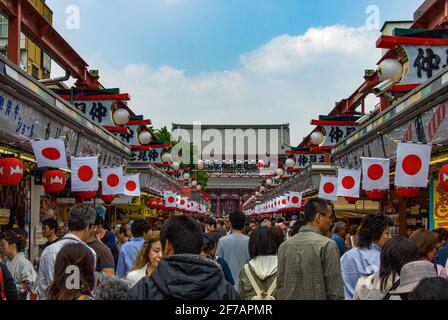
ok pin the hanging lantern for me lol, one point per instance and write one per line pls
(198, 187)
(186, 176)
(108, 198)
(260, 164)
(166, 157)
(54, 181)
(200, 164)
(161, 204)
(279, 172)
(443, 177)
(262, 188)
(290, 163)
(11, 171)
(194, 183)
(317, 138)
(351, 200)
(376, 194)
(391, 69)
(144, 137)
(257, 194)
(86, 195)
(121, 116)
(269, 182)
(175, 165)
(406, 193)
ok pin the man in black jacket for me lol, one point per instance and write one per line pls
(183, 274)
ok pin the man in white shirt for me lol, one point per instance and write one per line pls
(81, 227)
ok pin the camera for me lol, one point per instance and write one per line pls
(383, 87)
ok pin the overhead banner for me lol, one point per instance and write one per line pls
(84, 174)
(303, 160)
(336, 133)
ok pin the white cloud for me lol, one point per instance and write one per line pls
(289, 79)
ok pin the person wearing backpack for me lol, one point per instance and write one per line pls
(8, 290)
(258, 278)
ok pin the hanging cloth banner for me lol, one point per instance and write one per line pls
(112, 181)
(84, 174)
(375, 173)
(328, 187)
(132, 185)
(412, 166)
(349, 183)
(170, 199)
(50, 153)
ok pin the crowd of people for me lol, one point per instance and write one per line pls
(235, 258)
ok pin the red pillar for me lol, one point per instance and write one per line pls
(14, 29)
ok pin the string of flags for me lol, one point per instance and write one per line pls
(174, 201)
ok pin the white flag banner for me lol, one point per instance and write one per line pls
(170, 199)
(412, 166)
(183, 203)
(328, 187)
(132, 185)
(295, 200)
(349, 182)
(50, 153)
(84, 174)
(375, 173)
(112, 181)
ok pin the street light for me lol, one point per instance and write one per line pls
(391, 69)
(317, 138)
(175, 165)
(121, 116)
(269, 182)
(166, 157)
(144, 137)
(290, 163)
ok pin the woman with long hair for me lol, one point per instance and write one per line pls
(73, 259)
(395, 254)
(12, 246)
(147, 259)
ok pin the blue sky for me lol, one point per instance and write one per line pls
(190, 54)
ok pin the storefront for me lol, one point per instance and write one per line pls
(29, 111)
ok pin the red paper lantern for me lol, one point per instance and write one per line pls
(376, 194)
(108, 198)
(11, 171)
(161, 204)
(54, 181)
(443, 177)
(405, 193)
(351, 200)
(87, 195)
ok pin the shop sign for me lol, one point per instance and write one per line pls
(439, 205)
(39, 240)
(146, 156)
(130, 137)
(137, 211)
(336, 133)
(303, 160)
(423, 62)
(99, 111)
(4, 216)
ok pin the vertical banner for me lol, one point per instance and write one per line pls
(439, 206)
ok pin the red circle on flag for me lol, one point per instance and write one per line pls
(328, 187)
(375, 172)
(182, 202)
(284, 201)
(412, 164)
(113, 180)
(51, 153)
(170, 199)
(85, 173)
(295, 200)
(131, 185)
(348, 182)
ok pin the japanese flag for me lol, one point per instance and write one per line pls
(295, 200)
(112, 181)
(328, 187)
(283, 202)
(183, 203)
(50, 153)
(349, 182)
(375, 173)
(131, 185)
(412, 166)
(170, 199)
(84, 174)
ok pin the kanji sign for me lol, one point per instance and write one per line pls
(303, 160)
(336, 133)
(97, 111)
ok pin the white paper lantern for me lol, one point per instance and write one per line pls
(166, 157)
(194, 183)
(280, 172)
(257, 194)
(200, 164)
(317, 138)
(391, 69)
(121, 116)
(144, 137)
(175, 165)
(186, 176)
(290, 163)
(269, 182)
(198, 187)
(262, 189)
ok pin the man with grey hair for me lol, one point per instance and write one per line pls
(339, 232)
(113, 288)
(81, 227)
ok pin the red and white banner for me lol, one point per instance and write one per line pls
(349, 182)
(295, 200)
(112, 181)
(50, 153)
(170, 199)
(84, 174)
(183, 203)
(412, 166)
(132, 185)
(328, 187)
(375, 173)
